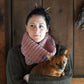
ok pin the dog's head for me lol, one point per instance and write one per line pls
(59, 62)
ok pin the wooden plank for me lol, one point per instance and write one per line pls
(8, 25)
(78, 42)
(61, 15)
(2, 66)
(77, 81)
(21, 9)
(2, 44)
(2, 56)
(40, 2)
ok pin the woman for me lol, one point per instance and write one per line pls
(37, 42)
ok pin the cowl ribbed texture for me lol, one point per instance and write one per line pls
(34, 52)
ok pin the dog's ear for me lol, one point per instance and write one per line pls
(66, 52)
(49, 57)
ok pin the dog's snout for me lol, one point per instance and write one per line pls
(61, 67)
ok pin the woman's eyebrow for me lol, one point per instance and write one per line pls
(31, 23)
(34, 23)
(42, 23)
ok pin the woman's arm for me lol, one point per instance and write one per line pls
(14, 68)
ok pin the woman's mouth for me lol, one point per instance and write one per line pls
(36, 35)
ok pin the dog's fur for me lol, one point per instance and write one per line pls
(54, 67)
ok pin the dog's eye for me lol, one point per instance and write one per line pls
(63, 62)
(56, 64)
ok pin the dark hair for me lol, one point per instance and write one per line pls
(40, 11)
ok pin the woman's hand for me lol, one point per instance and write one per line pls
(26, 78)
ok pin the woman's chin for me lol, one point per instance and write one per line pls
(37, 40)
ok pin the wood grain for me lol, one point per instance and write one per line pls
(2, 45)
(78, 42)
(77, 81)
(62, 16)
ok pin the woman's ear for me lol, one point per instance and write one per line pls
(47, 30)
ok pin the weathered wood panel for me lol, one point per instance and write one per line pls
(8, 24)
(77, 81)
(78, 42)
(62, 17)
(2, 43)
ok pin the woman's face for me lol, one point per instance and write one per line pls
(37, 28)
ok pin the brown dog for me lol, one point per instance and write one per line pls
(54, 67)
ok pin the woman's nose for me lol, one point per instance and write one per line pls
(37, 29)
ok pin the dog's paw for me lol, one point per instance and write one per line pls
(63, 73)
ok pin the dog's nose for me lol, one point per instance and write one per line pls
(61, 67)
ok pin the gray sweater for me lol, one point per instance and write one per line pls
(16, 68)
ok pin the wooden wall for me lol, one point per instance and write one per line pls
(63, 15)
(2, 43)
(78, 42)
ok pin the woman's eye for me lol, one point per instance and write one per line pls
(64, 62)
(32, 25)
(41, 26)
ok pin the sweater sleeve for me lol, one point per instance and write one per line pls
(14, 68)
